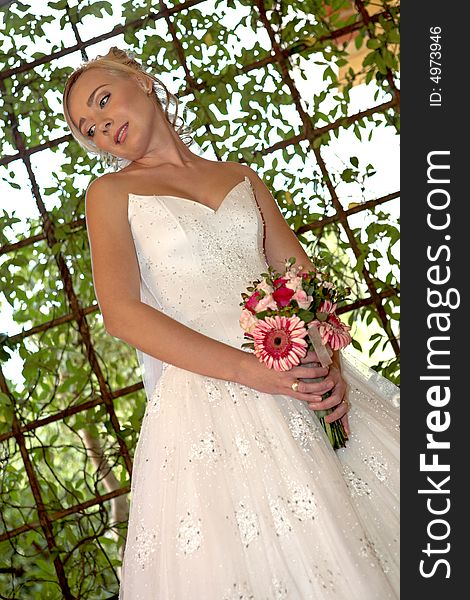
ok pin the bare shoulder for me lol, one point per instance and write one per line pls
(273, 218)
(262, 192)
(238, 168)
(106, 196)
(102, 187)
(256, 181)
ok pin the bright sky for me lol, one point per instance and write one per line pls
(382, 151)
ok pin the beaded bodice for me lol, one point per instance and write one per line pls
(196, 261)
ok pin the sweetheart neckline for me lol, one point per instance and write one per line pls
(213, 211)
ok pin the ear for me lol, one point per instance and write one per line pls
(145, 82)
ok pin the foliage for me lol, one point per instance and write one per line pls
(243, 100)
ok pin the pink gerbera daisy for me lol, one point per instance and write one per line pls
(334, 332)
(279, 342)
(327, 307)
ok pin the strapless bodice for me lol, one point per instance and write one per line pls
(196, 261)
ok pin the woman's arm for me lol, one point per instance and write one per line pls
(281, 243)
(116, 279)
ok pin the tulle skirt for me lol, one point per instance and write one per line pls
(237, 494)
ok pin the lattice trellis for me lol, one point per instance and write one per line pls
(68, 437)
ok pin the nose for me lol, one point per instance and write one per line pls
(106, 125)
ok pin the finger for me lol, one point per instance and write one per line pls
(318, 389)
(302, 372)
(310, 357)
(338, 412)
(335, 374)
(322, 404)
(302, 393)
(345, 422)
(307, 398)
(339, 391)
(332, 402)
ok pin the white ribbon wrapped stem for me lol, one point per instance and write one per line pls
(323, 352)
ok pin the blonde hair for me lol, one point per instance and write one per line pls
(119, 62)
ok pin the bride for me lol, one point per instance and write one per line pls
(236, 490)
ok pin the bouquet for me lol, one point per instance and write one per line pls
(281, 310)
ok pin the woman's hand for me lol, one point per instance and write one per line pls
(338, 397)
(256, 375)
(337, 400)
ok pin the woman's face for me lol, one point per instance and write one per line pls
(117, 112)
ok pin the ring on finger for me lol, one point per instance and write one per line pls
(295, 386)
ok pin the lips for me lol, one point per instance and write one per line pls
(121, 134)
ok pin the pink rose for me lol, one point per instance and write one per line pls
(265, 303)
(291, 273)
(302, 299)
(295, 283)
(265, 287)
(247, 321)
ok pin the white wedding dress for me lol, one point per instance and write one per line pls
(237, 494)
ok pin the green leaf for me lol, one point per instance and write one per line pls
(59, 5)
(373, 44)
(356, 345)
(240, 114)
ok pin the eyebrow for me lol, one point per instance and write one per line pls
(90, 101)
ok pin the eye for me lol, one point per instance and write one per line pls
(102, 101)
